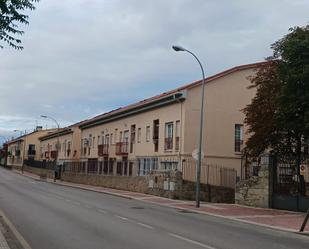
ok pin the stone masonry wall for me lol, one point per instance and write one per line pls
(254, 191)
(164, 184)
(44, 172)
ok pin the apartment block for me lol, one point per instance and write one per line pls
(26, 147)
(161, 131)
(69, 145)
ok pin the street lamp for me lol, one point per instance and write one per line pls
(200, 135)
(58, 145)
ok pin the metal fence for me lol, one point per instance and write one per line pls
(40, 164)
(216, 175)
(105, 167)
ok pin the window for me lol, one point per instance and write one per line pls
(126, 136)
(107, 139)
(155, 134)
(69, 149)
(146, 165)
(238, 137)
(177, 142)
(111, 138)
(116, 134)
(169, 136)
(139, 135)
(147, 133)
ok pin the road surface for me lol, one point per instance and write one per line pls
(50, 216)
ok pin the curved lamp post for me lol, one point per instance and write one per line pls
(200, 135)
(57, 145)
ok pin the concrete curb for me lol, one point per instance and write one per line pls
(18, 236)
(178, 208)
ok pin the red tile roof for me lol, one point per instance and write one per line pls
(187, 86)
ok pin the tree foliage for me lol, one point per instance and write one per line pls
(278, 116)
(11, 13)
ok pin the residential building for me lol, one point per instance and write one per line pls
(162, 131)
(69, 144)
(25, 147)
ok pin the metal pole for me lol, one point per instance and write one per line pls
(22, 166)
(200, 135)
(304, 222)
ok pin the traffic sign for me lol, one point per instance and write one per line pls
(302, 169)
(195, 154)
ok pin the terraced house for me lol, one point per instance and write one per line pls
(161, 132)
(25, 148)
(69, 145)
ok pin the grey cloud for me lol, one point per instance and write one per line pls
(84, 57)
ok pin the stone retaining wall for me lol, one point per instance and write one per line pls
(44, 172)
(164, 184)
(255, 191)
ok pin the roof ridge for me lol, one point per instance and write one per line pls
(186, 86)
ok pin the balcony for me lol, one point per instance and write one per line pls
(168, 143)
(122, 149)
(103, 150)
(53, 154)
(31, 152)
(47, 154)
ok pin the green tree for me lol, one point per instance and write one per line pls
(278, 116)
(11, 13)
(260, 117)
(293, 101)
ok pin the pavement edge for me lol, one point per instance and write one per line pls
(306, 234)
(13, 229)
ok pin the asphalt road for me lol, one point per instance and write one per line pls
(54, 217)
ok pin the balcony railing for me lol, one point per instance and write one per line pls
(103, 150)
(168, 143)
(31, 152)
(122, 148)
(53, 154)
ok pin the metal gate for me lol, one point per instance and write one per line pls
(290, 184)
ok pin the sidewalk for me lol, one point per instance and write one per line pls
(272, 218)
(3, 243)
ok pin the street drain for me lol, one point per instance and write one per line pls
(137, 207)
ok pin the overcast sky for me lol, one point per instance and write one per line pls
(85, 57)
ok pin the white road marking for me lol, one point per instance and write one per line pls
(191, 241)
(102, 211)
(121, 217)
(87, 206)
(144, 225)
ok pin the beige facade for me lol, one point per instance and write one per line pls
(25, 147)
(69, 150)
(167, 125)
